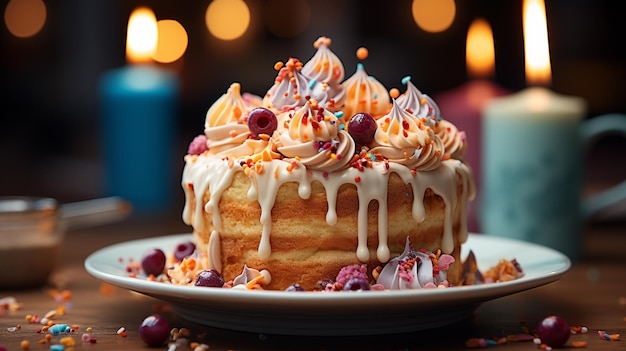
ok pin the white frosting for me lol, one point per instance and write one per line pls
(215, 175)
(214, 252)
(415, 270)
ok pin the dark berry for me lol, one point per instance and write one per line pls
(154, 330)
(153, 262)
(294, 287)
(553, 331)
(184, 250)
(209, 278)
(355, 284)
(262, 121)
(362, 127)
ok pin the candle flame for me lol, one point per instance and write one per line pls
(142, 35)
(536, 48)
(479, 52)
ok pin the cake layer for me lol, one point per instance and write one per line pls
(304, 246)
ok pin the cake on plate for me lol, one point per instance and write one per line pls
(324, 172)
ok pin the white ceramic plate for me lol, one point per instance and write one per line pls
(337, 313)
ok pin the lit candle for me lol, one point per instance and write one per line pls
(532, 169)
(139, 104)
(463, 106)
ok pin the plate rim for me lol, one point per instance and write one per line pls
(321, 313)
(158, 288)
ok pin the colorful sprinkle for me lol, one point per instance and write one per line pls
(579, 344)
(608, 337)
(394, 93)
(56, 329)
(362, 53)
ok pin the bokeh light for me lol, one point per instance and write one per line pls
(227, 19)
(287, 18)
(25, 18)
(172, 41)
(480, 53)
(434, 15)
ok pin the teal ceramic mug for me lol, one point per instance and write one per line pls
(533, 174)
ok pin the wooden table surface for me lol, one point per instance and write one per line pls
(591, 294)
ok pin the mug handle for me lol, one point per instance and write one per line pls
(592, 130)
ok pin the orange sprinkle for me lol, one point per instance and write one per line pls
(66, 295)
(266, 155)
(107, 289)
(278, 65)
(258, 168)
(68, 341)
(362, 53)
(394, 93)
(579, 344)
(24, 345)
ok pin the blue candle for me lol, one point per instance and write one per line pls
(139, 105)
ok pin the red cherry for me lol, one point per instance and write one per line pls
(553, 331)
(154, 330)
(362, 127)
(153, 262)
(262, 121)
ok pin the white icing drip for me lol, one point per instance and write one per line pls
(266, 187)
(205, 173)
(216, 175)
(214, 252)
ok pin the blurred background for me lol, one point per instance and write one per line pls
(55, 53)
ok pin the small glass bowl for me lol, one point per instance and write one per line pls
(30, 238)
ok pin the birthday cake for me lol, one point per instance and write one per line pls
(323, 173)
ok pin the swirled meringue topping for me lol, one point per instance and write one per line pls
(404, 138)
(229, 108)
(324, 66)
(293, 89)
(226, 129)
(454, 140)
(421, 105)
(365, 93)
(314, 137)
(415, 270)
(416, 103)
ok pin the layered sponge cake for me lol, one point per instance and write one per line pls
(323, 172)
